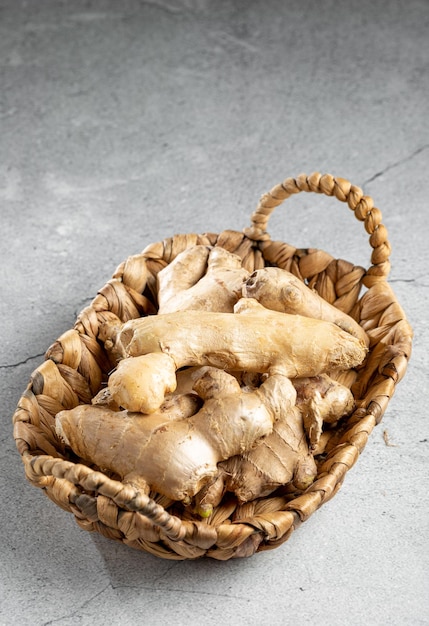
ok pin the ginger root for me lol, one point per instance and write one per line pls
(177, 452)
(322, 400)
(182, 285)
(279, 290)
(280, 458)
(253, 339)
(286, 455)
(189, 430)
(181, 274)
(141, 383)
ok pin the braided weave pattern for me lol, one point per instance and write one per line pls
(77, 365)
(362, 206)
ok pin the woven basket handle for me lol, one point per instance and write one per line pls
(362, 206)
(40, 469)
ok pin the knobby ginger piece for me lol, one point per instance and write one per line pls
(177, 457)
(278, 459)
(279, 290)
(181, 286)
(321, 400)
(140, 384)
(186, 269)
(286, 455)
(253, 339)
(104, 398)
(109, 334)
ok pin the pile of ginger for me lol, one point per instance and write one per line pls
(227, 388)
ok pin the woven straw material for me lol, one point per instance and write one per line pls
(76, 366)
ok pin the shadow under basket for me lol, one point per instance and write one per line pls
(77, 366)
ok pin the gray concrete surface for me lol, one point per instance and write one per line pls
(125, 122)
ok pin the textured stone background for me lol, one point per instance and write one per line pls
(126, 122)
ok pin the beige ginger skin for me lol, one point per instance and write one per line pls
(253, 339)
(322, 400)
(182, 285)
(280, 458)
(181, 274)
(279, 290)
(246, 440)
(285, 455)
(176, 452)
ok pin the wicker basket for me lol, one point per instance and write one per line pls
(76, 366)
